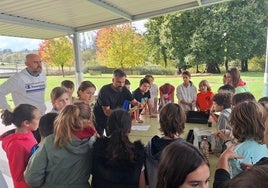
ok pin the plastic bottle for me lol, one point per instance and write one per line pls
(204, 147)
(210, 120)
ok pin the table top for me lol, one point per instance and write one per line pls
(153, 123)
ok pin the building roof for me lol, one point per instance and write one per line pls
(45, 19)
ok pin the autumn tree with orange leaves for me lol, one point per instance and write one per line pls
(120, 47)
(57, 52)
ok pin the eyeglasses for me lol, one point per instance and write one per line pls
(37, 62)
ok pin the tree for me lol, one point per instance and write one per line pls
(89, 57)
(157, 50)
(57, 52)
(215, 34)
(120, 47)
(43, 51)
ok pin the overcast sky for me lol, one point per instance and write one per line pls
(18, 44)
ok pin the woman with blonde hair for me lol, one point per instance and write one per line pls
(65, 157)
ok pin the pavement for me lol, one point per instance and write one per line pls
(4, 168)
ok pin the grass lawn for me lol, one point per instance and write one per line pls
(253, 79)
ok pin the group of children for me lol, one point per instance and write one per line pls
(73, 151)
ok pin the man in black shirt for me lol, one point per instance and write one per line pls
(112, 96)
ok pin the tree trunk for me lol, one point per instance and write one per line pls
(197, 70)
(62, 70)
(218, 68)
(213, 68)
(244, 65)
(226, 64)
(163, 51)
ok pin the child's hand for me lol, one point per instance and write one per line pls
(221, 135)
(230, 154)
(245, 166)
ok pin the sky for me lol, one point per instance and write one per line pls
(18, 44)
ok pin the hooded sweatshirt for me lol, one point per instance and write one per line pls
(65, 167)
(154, 149)
(241, 87)
(17, 147)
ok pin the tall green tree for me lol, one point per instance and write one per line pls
(217, 34)
(158, 51)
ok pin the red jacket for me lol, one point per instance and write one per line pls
(204, 101)
(17, 147)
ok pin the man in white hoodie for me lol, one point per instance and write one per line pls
(27, 86)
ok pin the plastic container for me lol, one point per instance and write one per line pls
(204, 147)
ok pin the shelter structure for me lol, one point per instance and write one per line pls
(48, 19)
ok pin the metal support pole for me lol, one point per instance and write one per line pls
(265, 88)
(78, 59)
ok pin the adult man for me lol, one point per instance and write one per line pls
(110, 97)
(26, 86)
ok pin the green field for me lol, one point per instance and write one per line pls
(254, 80)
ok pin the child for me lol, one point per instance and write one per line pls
(166, 95)
(233, 78)
(226, 88)
(248, 121)
(236, 99)
(204, 97)
(222, 104)
(85, 93)
(264, 102)
(186, 92)
(183, 165)
(118, 162)
(64, 159)
(222, 174)
(127, 84)
(153, 93)
(142, 95)
(242, 97)
(19, 144)
(46, 127)
(69, 86)
(59, 99)
(172, 122)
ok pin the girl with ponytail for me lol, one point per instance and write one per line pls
(18, 142)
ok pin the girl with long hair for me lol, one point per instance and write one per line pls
(118, 162)
(64, 159)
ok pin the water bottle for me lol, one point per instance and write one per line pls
(204, 147)
(210, 119)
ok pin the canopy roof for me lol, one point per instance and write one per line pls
(45, 19)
